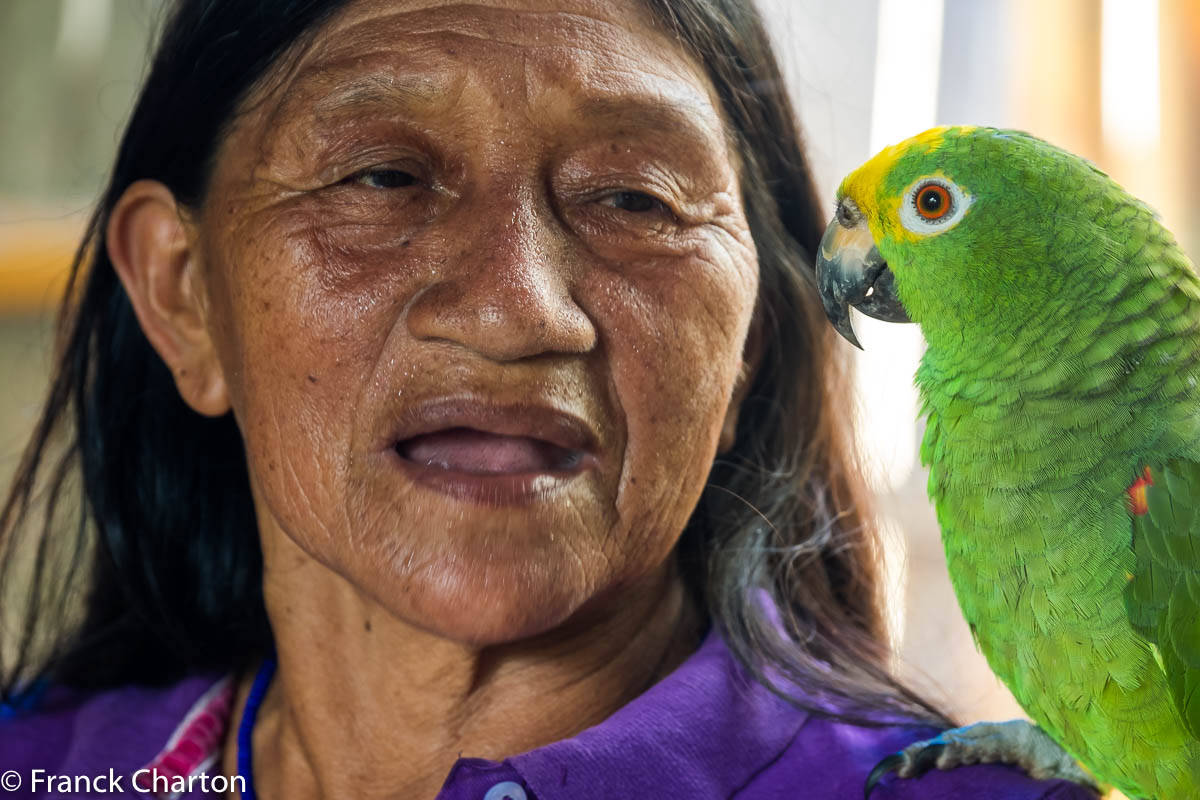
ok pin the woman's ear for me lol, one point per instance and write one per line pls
(752, 354)
(156, 260)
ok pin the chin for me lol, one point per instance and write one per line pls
(478, 596)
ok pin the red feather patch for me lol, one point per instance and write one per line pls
(1137, 493)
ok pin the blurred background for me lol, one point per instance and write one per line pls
(1109, 79)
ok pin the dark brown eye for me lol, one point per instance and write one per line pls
(933, 201)
(385, 178)
(635, 202)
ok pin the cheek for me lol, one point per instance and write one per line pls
(675, 339)
(298, 358)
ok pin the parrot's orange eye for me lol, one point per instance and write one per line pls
(933, 204)
(933, 201)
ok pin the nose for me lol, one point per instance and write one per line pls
(506, 295)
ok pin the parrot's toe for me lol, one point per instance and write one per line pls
(1015, 742)
(911, 762)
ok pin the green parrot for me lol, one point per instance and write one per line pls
(1060, 393)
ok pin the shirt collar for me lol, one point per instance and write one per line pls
(705, 730)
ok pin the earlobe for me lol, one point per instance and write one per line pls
(152, 253)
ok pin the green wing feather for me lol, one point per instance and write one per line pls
(1163, 596)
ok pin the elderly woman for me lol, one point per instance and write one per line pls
(455, 417)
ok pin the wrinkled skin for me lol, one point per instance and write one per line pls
(514, 201)
(508, 269)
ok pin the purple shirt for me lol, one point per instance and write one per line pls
(707, 730)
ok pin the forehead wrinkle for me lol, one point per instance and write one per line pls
(609, 75)
(600, 40)
(487, 22)
(556, 59)
(611, 95)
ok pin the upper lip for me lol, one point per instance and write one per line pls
(532, 420)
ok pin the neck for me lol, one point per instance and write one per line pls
(367, 705)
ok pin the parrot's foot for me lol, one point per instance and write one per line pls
(1015, 742)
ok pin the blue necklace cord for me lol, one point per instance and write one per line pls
(245, 743)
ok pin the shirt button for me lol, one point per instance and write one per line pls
(505, 791)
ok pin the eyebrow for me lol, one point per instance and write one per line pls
(652, 112)
(408, 92)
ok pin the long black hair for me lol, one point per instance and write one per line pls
(164, 543)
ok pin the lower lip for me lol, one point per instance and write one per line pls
(494, 489)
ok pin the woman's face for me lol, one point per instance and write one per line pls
(479, 280)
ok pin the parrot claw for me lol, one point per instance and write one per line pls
(911, 762)
(879, 770)
(1015, 742)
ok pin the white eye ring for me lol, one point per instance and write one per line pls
(912, 219)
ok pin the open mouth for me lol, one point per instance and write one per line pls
(490, 453)
(481, 453)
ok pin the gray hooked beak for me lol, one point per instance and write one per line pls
(851, 272)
